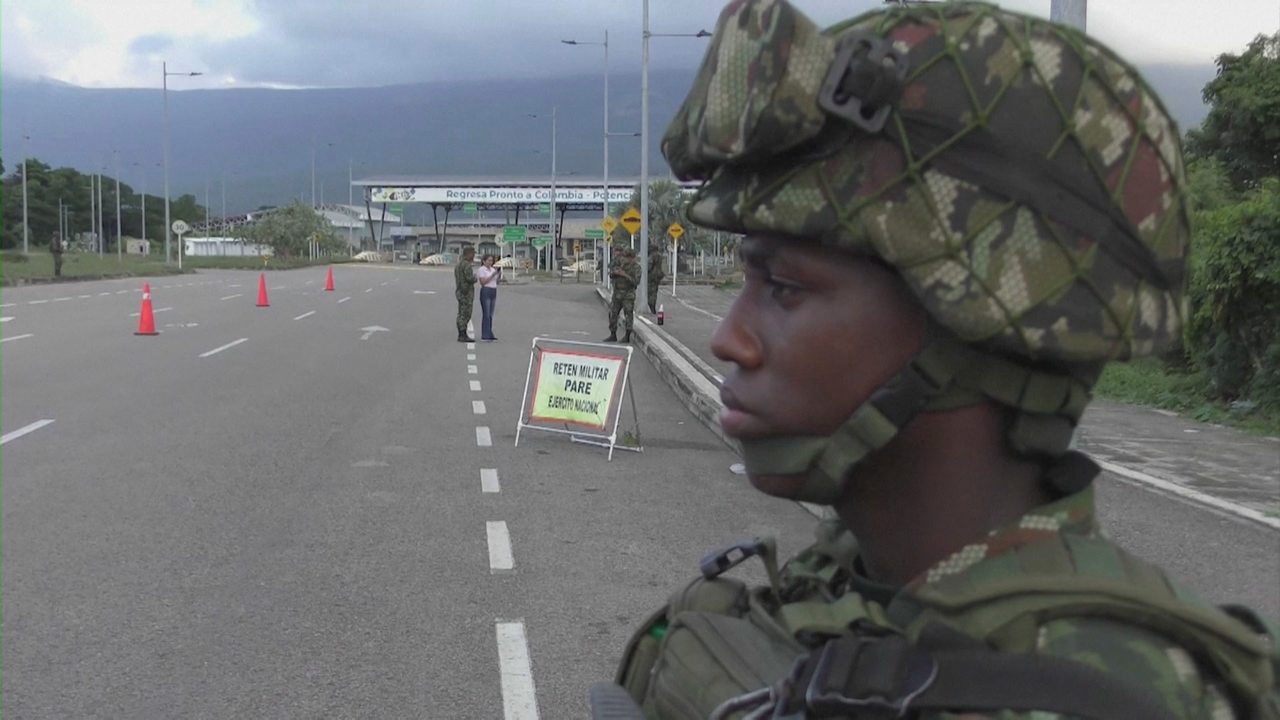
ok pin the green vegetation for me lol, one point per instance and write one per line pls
(1149, 382)
(15, 267)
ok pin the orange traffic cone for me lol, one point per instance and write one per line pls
(146, 321)
(262, 290)
(328, 284)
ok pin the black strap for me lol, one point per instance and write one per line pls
(883, 675)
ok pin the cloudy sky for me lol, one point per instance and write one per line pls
(309, 43)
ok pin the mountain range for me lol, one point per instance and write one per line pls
(262, 140)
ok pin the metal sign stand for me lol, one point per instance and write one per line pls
(609, 440)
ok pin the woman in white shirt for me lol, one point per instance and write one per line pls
(488, 276)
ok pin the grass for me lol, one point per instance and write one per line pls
(14, 266)
(1147, 382)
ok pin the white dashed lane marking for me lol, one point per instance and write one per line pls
(489, 480)
(483, 438)
(23, 431)
(519, 700)
(216, 350)
(500, 557)
(305, 315)
(475, 386)
(17, 337)
(477, 407)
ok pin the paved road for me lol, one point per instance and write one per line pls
(300, 524)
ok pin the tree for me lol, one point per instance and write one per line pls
(287, 231)
(1242, 129)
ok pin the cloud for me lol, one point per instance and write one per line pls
(346, 43)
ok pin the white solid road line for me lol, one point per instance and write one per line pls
(472, 369)
(1172, 488)
(519, 701)
(17, 337)
(477, 407)
(345, 299)
(231, 344)
(500, 558)
(305, 314)
(489, 480)
(475, 386)
(483, 438)
(231, 296)
(24, 430)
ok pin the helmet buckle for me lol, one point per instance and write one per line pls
(865, 80)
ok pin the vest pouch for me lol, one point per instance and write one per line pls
(708, 658)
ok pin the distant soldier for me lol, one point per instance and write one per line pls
(55, 247)
(626, 278)
(464, 288)
(657, 271)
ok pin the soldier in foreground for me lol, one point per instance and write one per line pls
(955, 216)
(657, 271)
(626, 278)
(464, 289)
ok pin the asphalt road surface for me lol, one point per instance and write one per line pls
(281, 512)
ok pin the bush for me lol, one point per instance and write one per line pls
(13, 257)
(1234, 293)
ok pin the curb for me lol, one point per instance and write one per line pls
(696, 383)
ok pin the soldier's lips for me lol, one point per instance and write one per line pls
(735, 418)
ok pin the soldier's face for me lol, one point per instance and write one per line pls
(812, 334)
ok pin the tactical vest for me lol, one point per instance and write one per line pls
(798, 649)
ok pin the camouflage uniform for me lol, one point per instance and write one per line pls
(55, 247)
(1029, 187)
(624, 294)
(657, 271)
(464, 284)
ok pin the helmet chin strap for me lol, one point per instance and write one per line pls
(946, 374)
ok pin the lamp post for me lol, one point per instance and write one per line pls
(642, 292)
(119, 230)
(551, 245)
(26, 247)
(167, 223)
(607, 134)
(313, 170)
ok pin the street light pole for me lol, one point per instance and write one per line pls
(164, 66)
(642, 292)
(26, 247)
(119, 230)
(605, 198)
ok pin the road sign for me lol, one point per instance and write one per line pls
(541, 241)
(528, 264)
(608, 224)
(631, 220)
(577, 247)
(180, 227)
(676, 230)
(544, 207)
(397, 209)
(593, 234)
(469, 208)
(514, 233)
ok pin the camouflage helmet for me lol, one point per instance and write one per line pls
(628, 252)
(1022, 178)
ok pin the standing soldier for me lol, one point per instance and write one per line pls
(55, 247)
(955, 217)
(626, 278)
(657, 271)
(464, 289)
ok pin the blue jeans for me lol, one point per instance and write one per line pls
(488, 300)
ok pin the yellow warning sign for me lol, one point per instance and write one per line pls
(631, 220)
(608, 224)
(675, 230)
(575, 387)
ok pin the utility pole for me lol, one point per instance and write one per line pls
(119, 230)
(168, 225)
(26, 247)
(1070, 12)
